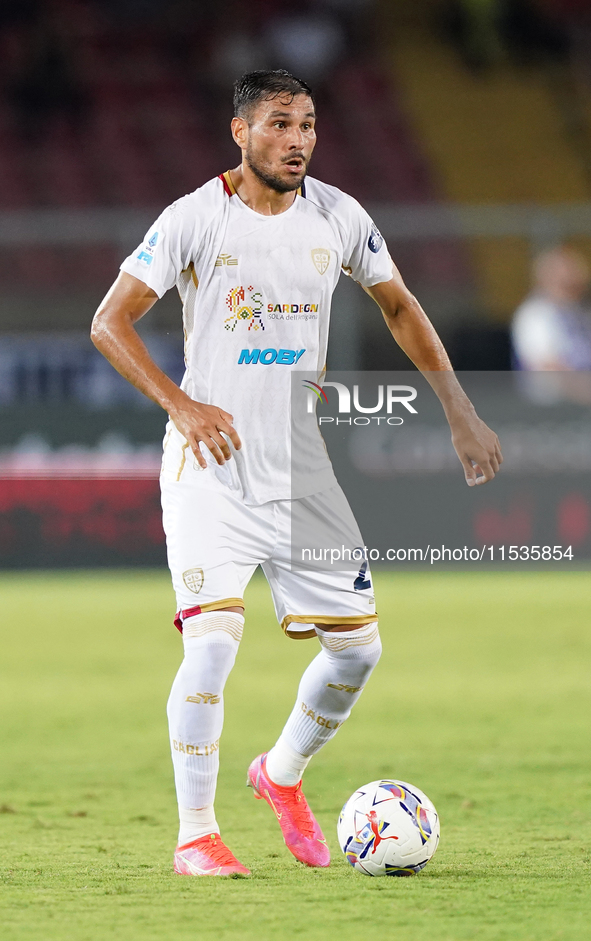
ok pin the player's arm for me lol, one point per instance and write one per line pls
(476, 445)
(113, 333)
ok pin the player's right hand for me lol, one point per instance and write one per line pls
(206, 423)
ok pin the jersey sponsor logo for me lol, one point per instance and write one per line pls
(375, 240)
(266, 357)
(292, 311)
(244, 309)
(193, 579)
(321, 259)
(145, 258)
(225, 259)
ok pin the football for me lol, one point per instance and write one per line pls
(388, 828)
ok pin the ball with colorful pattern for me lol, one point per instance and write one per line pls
(388, 828)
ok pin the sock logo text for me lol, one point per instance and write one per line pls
(320, 720)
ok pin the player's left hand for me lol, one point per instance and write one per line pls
(477, 447)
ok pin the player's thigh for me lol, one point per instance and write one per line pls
(318, 573)
(213, 545)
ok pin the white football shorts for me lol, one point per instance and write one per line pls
(215, 542)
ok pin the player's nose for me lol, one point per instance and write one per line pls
(296, 139)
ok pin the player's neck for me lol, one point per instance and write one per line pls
(256, 195)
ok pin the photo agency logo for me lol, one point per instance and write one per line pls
(352, 412)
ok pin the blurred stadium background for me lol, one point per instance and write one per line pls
(464, 126)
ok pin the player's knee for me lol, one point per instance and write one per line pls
(213, 636)
(375, 649)
(211, 643)
(363, 644)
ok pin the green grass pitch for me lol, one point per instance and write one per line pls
(482, 699)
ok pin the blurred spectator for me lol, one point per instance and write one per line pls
(533, 32)
(489, 32)
(308, 44)
(44, 84)
(356, 19)
(552, 327)
(475, 27)
(235, 53)
(482, 31)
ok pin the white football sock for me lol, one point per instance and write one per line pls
(196, 823)
(196, 706)
(328, 690)
(284, 765)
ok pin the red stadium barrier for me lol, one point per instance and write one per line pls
(79, 522)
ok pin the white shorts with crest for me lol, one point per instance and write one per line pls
(310, 549)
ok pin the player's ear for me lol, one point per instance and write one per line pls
(240, 131)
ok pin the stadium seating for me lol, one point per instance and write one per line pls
(517, 133)
(155, 124)
(148, 131)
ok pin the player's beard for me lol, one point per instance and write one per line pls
(273, 180)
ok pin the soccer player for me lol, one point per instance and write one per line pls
(244, 244)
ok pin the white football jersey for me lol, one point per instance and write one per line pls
(256, 293)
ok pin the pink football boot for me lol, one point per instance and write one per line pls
(303, 837)
(207, 856)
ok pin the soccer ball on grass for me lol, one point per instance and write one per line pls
(388, 828)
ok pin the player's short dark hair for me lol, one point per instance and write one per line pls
(264, 85)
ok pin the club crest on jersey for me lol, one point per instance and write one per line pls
(193, 579)
(246, 310)
(321, 259)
